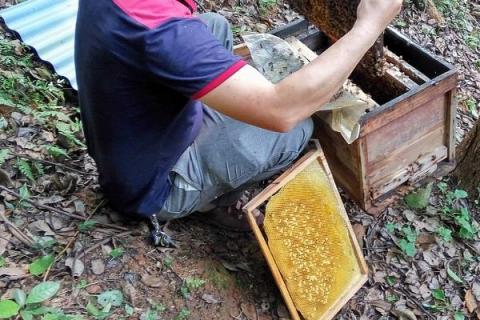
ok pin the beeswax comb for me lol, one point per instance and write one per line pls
(310, 243)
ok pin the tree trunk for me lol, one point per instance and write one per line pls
(468, 169)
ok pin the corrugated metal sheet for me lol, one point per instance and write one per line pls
(48, 26)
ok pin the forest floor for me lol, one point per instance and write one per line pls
(65, 254)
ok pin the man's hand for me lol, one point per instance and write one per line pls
(377, 14)
(247, 96)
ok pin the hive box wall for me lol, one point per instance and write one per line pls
(403, 140)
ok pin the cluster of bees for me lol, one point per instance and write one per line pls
(335, 18)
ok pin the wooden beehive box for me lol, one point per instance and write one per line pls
(402, 141)
(260, 201)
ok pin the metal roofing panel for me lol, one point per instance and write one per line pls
(48, 26)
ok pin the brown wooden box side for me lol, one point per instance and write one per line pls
(411, 143)
(274, 187)
(343, 159)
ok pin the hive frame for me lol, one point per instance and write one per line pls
(313, 155)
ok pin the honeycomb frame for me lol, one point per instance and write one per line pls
(261, 199)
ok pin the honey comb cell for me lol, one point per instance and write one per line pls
(310, 243)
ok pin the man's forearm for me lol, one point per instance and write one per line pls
(247, 96)
(303, 93)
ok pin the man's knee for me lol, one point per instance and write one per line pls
(303, 133)
(220, 28)
(214, 19)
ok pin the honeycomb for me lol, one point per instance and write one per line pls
(309, 241)
(335, 18)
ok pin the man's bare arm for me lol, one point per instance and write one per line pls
(247, 96)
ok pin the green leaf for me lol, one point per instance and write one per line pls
(3, 155)
(390, 227)
(194, 283)
(407, 247)
(20, 297)
(149, 315)
(112, 297)
(2, 261)
(410, 234)
(97, 314)
(43, 291)
(454, 276)
(3, 123)
(37, 310)
(445, 234)
(26, 315)
(117, 252)
(391, 280)
(24, 193)
(25, 169)
(419, 199)
(129, 310)
(183, 314)
(39, 170)
(392, 298)
(458, 316)
(438, 294)
(460, 194)
(40, 265)
(56, 151)
(8, 309)
(87, 225)
(82, 284)
(442, 186)
(42, 243)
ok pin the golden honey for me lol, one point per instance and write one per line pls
(309, 241)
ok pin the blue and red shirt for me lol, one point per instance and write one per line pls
(141, 65)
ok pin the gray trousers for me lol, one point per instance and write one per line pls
(228, 156)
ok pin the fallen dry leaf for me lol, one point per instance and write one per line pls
(249, 311)
(151, 281)
(470, 301)
(403, 313)
(98, 266)
(76, 266)
(208, 298)
(359, 231)
(14, 271)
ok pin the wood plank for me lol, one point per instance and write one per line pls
(406, 154)
(451, 124)
(406, 103)
(242, 51)
(406, 68)
(277, 276)
(397, 78)
(342, 158)
(401, 132)
(418, 169)
(423, 60)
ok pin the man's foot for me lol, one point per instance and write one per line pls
(231, 218)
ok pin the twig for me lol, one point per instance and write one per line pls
(57, 257)
(102, 242)
(58, 211)
(54, 164)
(25, 239)
(408, 296)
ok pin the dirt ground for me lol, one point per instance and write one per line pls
(424, 262)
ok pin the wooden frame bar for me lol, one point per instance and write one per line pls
(272, 189)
